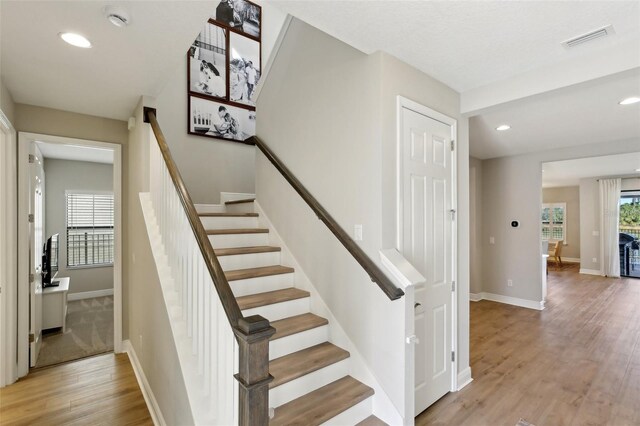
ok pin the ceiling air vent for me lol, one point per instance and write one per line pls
(591, 35)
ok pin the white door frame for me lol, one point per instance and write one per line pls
(8, 258)
(401, 103)
(24, 139)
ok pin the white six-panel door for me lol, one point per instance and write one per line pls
(37, 240)
(427, 242)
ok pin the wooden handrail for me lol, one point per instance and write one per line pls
(374, 272)
(252, 332)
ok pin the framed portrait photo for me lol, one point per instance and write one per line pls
(207, 62)
(244, 69)
(219, 120)
(242, 16)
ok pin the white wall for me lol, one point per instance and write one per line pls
(328, 111)
(210, 166)
(475, 225)
(571, 196)
(6, 102)
(512, 189)
(60, 176)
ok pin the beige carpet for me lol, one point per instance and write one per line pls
(89, 332)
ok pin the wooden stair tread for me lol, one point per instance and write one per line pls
(300, 363)
(245, 250)
(237, 231)
(270, 297)
(263, 271)
(322, 404)
(372, 421)
(247, 200)
(228, 214)
(296, 324)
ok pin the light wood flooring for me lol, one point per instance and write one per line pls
(575, 363)
(100, 390)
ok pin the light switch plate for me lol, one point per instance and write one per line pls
(357, 232)
(492, 240)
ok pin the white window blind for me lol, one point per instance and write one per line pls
(89, 228)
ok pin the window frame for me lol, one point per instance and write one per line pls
(66, 213)
(551, 206)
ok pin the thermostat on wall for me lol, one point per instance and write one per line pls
(515, 224)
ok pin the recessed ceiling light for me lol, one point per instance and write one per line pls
(75, 40)
(503, 127)
(637, 170)
(629, 101)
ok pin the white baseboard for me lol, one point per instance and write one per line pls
(464, 378)
(570, 259)
(147, 393)
(90, 294)
(523, 303)
(590, 271)
(475, 297)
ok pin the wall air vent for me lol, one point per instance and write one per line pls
(591, 35)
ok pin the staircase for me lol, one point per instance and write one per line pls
(311, 382)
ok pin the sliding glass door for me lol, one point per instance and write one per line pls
(630, 234)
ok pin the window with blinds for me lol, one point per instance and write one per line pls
(89, 229)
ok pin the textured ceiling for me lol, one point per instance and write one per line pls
(577, 115)
(569, 172)
(469, 44)
(107, 80)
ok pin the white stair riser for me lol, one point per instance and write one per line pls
(240, 208)
(297, 342)
(252, 260)
(307, 383)
(353, 415)
(239, 240)
(282, 310)
(261, 284)
(228, 222)
(210, 208)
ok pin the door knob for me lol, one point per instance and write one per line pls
(416, 305)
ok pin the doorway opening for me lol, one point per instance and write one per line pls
(70, 305)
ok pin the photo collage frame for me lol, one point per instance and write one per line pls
(224, 66)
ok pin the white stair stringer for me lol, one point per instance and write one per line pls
(378, 404)
(197, 392)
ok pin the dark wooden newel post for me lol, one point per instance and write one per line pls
(253, 335)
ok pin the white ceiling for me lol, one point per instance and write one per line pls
(577, 115)
(468, 44)
(107, 80)
(569, 172)
(75, 153)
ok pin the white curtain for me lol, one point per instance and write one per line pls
(609, 226)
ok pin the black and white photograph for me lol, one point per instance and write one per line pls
(208, 62)
(217, 120)
(244, 69)
(241, 15)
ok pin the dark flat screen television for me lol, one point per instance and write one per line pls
(50, 261)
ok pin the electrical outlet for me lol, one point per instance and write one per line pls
(509, 283)
(357, 232)
(492, 240)
(594, 260)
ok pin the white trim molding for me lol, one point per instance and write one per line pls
(464, 378)
(89, 294)
(570, 259)
(272, 57)
(515, 301)
(147, 393)
(590, 271)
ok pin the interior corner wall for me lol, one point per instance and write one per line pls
(6, 103)
(210, 166)
(475, 225)
(149, 330)
(399, 78)
(571, 196)
(60, 176)
(512, 189)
